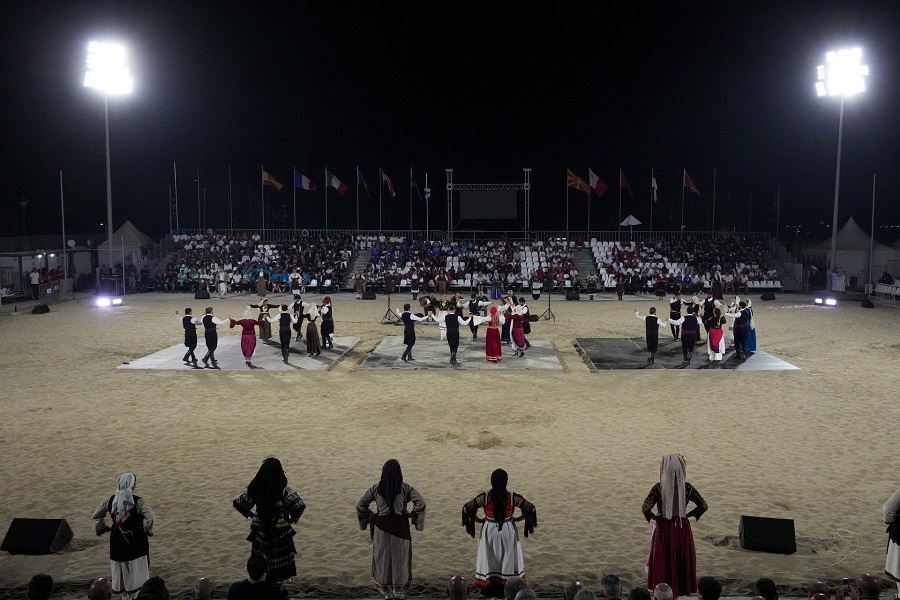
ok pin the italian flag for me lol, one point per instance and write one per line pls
(335, 182)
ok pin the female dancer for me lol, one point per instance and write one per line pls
(265, 331)
(499, 549)
(673, 559)
(313, 343)
(716, 335)
(327, 328)
(507, 309)
(129, 547)
(389, 527)
(493, 350)
(518, 331)
(248, 336)
(277, 507)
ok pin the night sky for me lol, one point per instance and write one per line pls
(483, 88)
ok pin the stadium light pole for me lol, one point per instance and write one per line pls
(842, 75)
(106, 72)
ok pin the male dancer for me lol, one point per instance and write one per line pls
(443, 309)
(221, 283)
(475, 305)
(295, 278)
(212, 338)
(297, 309)
(690, 332)
(409, 331)
(675, 313)
(526, 322)
(451, 320)
(709, 307)
(190, 336)
(284, 319)
(739, 327)
(653, 324)
(327, 326)
(592, 280)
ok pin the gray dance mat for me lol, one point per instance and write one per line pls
(622, 354)
(431, 353)
(266, 358)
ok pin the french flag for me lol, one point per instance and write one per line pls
(303, 182)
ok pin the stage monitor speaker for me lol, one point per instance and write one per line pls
(40, 309)
(572, 295)
(390, 284)
(201, 295)
(368, 295)
(36, 536)
(765, 534)
(867, 303)
(767, 296)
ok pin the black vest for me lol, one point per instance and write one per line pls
(284, 321)
(128, 541)
(190, 329)
(690, 326)
(652, 323)
(208, 324)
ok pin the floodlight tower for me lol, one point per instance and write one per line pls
(842, 75)
(106, 71)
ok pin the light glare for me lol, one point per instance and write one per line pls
(106, 70)
(819, 301)
(117, 301)
(830, 302)
(842, 75)
(102, 302)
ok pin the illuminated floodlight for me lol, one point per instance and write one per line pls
(830, 302)
(820, 301)
(842, 74)
(106, 70)
(117, 302)
(103, 302)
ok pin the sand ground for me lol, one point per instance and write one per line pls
(816, 445)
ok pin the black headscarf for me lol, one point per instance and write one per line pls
(267, 488)
(391, 478)
(499, 478)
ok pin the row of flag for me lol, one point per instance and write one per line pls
(303, 182)
(599, 187)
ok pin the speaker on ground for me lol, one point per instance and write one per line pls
(765, 534)
(572, 295)
(201, 295)
(40, 309)
(368, 295)
(36, 536)
(867, 303)
(767, 296)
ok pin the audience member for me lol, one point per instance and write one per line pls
(585, 594)
(526, 594)
(611, 588)
(101, 589)
(663, 591)
(708, 588)
(40, 587)
(817, 587)
(640, 593)
(458, 588)
(868, 587)
(203, 588)
(255, 587)
(514, 585)
(572, 589)
(154, 589)
(765, 587)
(820, 596)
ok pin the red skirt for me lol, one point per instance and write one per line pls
(248, 344)
(492, 349)
(673, 559)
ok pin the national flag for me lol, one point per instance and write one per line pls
(360, 180)
(303, 182)
(413, 185)
(271, 181)
(598, 185)
(334, 182)
(623, 183)
(385, 180)
(689, 183)
(653, 186)
(574, 181)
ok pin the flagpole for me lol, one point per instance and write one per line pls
(871, 233)
(357, 197)
(410, 199)
(713, 228)
(567, 209)
(777, 214)
(230, 203)
(380, 188)
(652, 191)
(427, 215)
(750, 213)
(589, 208)
(62, 210)
(683, 179)
(175, 170)
(620, 200)
(171, 231)
(262, 195)
(199, 218)
(295, 198)
(326, 199)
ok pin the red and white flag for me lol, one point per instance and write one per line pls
(598, 185)
(385, 180)
(689, 183)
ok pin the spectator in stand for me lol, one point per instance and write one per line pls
(611, 587)
(572, 589)
(100, 589)
(527, 594)
(154, 589)
(663, 591)
(765, 587)
(40, 587)
(708, 588)
(35, 279)
(818, 587)
(640, 593)
(514, 585)
(868, 587)
(255, 587)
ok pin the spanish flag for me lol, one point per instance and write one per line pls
(271, 181)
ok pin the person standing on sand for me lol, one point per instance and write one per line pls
(653, 325)
(891, 510)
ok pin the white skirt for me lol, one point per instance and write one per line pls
(499, 553)
(129, 576)
(892, 562)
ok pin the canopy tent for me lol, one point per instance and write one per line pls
(129, 240)
(853, 252)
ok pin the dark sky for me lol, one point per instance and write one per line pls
(483, 88)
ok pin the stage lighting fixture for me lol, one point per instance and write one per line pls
(117, 302)
(102, 302)
(830, 302)
(819, 301)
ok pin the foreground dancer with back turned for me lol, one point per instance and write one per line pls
(493, 350)
(673, 559)
(653, 325)
(451, 321)
(190, 336)
(248, 336)
(212, 337)
(409, 331)
(499, 548)
(284, 319)
(277, 507)
(389, 527)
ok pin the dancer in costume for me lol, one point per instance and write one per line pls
(211, 337)
(675, 305)
(493, 349)
(327, 327)
(739, 327)
(248, 335)
(518, 332)
(716, 336)
(499, 548)
(751, 328)
(690, 332)
(653, 325)
(313, 342)
(891, 511)
(451, 321)
(475, 306)
(409, 331)
(673, 559)
(265, 331)
(190, 336)
(285, 320)
(297, 309)
(389, 527)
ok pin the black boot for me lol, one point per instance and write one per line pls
(453, 358)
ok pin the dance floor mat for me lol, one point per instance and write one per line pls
(266, 358)
(431, 353)
(622, 354)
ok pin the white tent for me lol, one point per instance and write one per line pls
(129, 240)
(853, 252)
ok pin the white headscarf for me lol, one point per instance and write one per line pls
(123, 501)
(671, 486)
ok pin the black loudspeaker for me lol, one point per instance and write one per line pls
(765, 534)
(867, 303)
(40, 309)
(390, 284)
(767, 296)
(572, 295)
(201, 295)
(36, 536)
(368, 295)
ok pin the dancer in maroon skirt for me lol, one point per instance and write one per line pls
(673, 559)
(492, 349)
(248, 336)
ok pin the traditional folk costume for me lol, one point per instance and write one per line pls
(518, 332)
(277, 508)
(499, 548)
(506, 328)
(313, 343)
(673, 558)
(526, 321)
(248, 336)
(265, 331)
(653, 324)
(211, 337)
(751, 328)
(690, 333)
(739, 330)
(190, 338)
(295, 280)
(891, 510)
(716, 336)
(297, 309)
(620, 284)
(222, 284)
(129, 546)
(261, 285)
(709, 307)
(675, 314)
(359, 285)
(409, 332)
(389, 527)
(443, 309)
(493, 350)
(285, 320)
(475, 305)
(592, 280)
(451, 322)
(440, 284)
(327, 327)
(718, 286)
